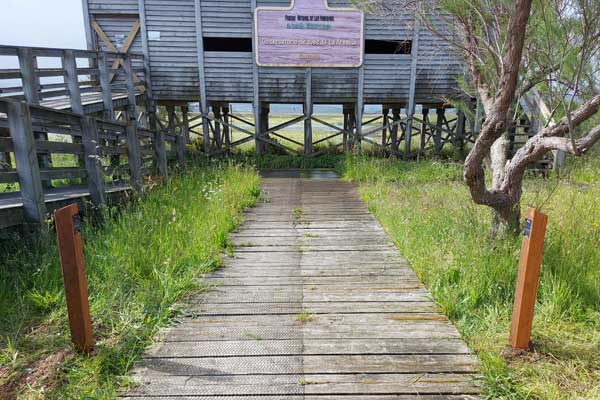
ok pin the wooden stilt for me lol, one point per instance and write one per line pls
(264, 125)
(218, 123)
(226, 130)
(394, 131)
(424, 128)
(459, 135)
(385, 121)
(308, 111)
(437, 138)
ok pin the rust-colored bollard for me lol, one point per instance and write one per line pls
(527, 278)
(70, 249)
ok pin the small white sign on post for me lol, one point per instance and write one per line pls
(154, 35)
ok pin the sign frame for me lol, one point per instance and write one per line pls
(309, 64)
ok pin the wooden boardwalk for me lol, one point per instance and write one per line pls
(316, 303)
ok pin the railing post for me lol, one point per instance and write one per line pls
(108, 112)
(19, 122)
(131, 97)
(133, 156)
(93, 166)
(30, 81)
(72, 81)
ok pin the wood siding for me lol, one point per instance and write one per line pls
(173, 58)
(174, 64)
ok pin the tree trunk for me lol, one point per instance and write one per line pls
(505, 221)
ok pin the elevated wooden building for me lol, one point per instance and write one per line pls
(203, 51)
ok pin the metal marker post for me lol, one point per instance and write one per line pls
(527, 278)
(70, 249)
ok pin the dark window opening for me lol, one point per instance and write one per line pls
(388, 46)
(227, 44)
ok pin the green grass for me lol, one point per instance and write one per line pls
(426, 209)
(140, 263)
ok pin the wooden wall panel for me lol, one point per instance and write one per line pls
(173, 58)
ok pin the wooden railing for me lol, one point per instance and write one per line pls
(105, 155)
(79, 80)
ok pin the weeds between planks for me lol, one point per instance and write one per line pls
(139, 263)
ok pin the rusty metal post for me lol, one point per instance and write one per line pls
(70, 249)
(527, 278)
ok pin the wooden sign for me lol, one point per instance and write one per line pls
(308, 34)
(527, 278)
(70, 249)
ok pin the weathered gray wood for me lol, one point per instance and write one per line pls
(360, 107)
(28, 75)
(437, 138)
(134, 158)
(19, 122)
(345, 318)
(308, 111)
(108, 112)
(201, 74)
(410, 110)
(93, 165)
(131, 89)
(183, 138)
(72, 81)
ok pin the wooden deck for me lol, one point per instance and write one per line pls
(316, 303)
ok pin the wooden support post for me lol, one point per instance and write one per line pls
(359, 108)
(93, 166)
(308, 112)
(385, 121)
(459, 135)
(131, 90)
(70, 250)
(218, 139)
(201, 75)
(437, 138)
(527, 278)
(133, 156)
(351, 128)
(226, 130)
(424, 127)
(19, 122)
(264, 124)
(108, 111)
(410, 110)
(394, 131)
(181, 141)
(346, 115)
(185, 124)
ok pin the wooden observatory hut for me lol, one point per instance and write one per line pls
(205, 51)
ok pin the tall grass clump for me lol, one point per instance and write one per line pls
(139, 263)
(426, 209)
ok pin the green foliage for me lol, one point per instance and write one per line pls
(429, 215)
(139, 263)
